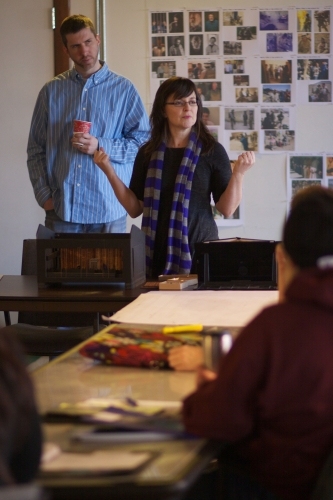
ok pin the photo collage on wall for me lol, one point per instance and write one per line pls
(251, 68)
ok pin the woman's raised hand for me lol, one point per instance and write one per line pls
(244, 162)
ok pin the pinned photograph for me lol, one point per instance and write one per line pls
(239, 118)
(322, 21)
(242, 141)
(219, 218)
(195, 22)
(158, 22)
(233, 18)
(176, 22)
(234, 219)
(322, 43)
(312, 69)
(246, 94)
(233, 66)
(329, 166)
(279, 42)
(212, 22)
(304, 43)
(176, 46)
(276, 71)
(212, 45)
(214, 91)
(276, 93)
(163, 69)
(247, 33)
(201, 70)
(303, 20)
(201, 90)
(298, 185)
(279, 140)
(274, 118)
(211, 116)
(158, 46)
(209, 91)
(274, 20)
(196, 45)
(320, 92)
(306, 167)
(243, 80)
(232, 48)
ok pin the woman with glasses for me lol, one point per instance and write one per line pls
(175, 173)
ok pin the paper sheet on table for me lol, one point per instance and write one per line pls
(209, 308)
(97, 461)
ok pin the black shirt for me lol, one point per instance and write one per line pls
(211, 176)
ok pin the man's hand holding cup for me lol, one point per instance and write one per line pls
(82, 140)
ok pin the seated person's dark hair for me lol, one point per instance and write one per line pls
(308, 232)
(20, 430)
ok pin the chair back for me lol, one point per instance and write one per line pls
(28, 268)
(29, 258)
(324, 486)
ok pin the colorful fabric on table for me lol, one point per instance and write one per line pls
(129, 346)
(178, 252)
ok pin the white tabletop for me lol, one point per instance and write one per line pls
(210, 308)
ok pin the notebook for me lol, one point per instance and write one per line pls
(236, 264)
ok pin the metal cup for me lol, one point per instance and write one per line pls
(215, 343)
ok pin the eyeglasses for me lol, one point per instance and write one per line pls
(181, 103)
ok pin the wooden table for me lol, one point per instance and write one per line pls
(177, 465)
(78, 304)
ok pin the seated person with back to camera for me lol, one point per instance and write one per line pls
(271, 399)
(173, 178)
(20, 434)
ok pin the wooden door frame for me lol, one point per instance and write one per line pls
(61, 59)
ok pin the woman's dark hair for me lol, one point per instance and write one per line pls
(308, 231)
(74, 24)
(179, 88)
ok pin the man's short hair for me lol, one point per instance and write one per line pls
(308, 231)
(75, 23)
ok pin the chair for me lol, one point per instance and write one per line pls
(44, 340)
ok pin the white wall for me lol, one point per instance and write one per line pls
(265, 195)
(26, 41)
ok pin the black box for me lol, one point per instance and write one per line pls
(236, 264)
(86, 258)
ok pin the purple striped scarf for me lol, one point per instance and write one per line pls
(178, 252)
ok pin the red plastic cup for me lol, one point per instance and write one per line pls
(82, 127)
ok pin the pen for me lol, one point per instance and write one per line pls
(182, 328)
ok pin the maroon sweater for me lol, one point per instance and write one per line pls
(273, 397)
